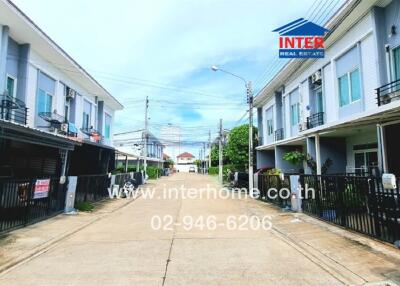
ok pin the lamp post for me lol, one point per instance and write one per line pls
(249, 93)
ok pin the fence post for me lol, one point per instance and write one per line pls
(112, 181)
(70, 195)
(295, 193)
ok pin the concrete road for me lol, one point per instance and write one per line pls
(124, 248)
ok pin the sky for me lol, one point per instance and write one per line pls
(163, 49)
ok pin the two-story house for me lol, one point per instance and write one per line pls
(55, 118)
(130, 146)
(341, 108)
(185, 162)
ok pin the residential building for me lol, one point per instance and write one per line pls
(342, 107)
(55, 118)
(185, 162)
(130, 145)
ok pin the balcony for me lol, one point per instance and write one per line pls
(93, 134)
(317, 119)
(279, 134)
(388, 92)
(13, 109)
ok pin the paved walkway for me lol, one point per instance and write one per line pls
(121, 247)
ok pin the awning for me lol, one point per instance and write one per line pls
(23, 133)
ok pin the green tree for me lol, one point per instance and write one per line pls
(215, 156)
(237, 147)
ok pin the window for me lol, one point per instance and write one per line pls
(45, 101)
(295, 114)
(319, 100)
(349, 87)
(87, 115)
(107, 126)
(66, 110)
(270, 126)
(396, 63)
(365, 160)
(11, 86)
(355, 85)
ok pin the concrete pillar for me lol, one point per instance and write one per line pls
(318, 154)
(70, 196)
(295, 193)
(100, 113)
(381, 149)
(4, 33)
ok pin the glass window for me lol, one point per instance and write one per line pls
(344, 90)
(87, 114)
(295, 114)
(355, 85)
(11, 88)
(107, 126)
(320, 100)
(270, 126)
(45, 101)
(396, 64)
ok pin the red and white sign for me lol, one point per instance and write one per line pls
(41, 189)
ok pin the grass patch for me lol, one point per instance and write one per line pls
(84, 206)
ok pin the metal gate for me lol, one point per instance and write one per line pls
(269, 182)
(20, 203)
(354, 202)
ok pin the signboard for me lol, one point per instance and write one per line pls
(42, 188)
(301, 39)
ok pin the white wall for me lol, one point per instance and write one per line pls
(36, 63)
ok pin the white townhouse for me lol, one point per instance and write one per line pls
(130, 148)
(49, 105)
(343, 107)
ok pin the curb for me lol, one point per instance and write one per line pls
(48, 245)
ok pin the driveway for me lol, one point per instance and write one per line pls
(191, 238)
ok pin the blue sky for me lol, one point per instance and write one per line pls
(163, 49)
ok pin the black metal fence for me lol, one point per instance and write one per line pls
(315, 120)
(279, 134)
(388, 92)
(121, 178)
(271, 185)
(17, 115)
(354, 202)
(25, 201)
(91, 188)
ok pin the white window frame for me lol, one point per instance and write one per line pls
(364, 152)
(14, 95)
(391, 63)
(347, 74)
(109, 115)
(91, 111)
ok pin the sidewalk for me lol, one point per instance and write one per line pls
(355, 258)
(24, 243)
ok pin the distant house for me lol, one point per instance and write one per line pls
(185, 161)
(130, 146)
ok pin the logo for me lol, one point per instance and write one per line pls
(301, 39)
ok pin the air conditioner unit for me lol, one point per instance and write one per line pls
(64, 127)
(316, 78)
(70, 93)
(302, 126)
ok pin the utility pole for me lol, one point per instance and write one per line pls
(204, 162)
(145, 135)
(220, 176)
(209, 149)
(250, 102)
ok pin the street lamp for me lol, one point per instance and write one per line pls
(249, 92)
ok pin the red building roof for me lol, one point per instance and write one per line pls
(185, 155)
